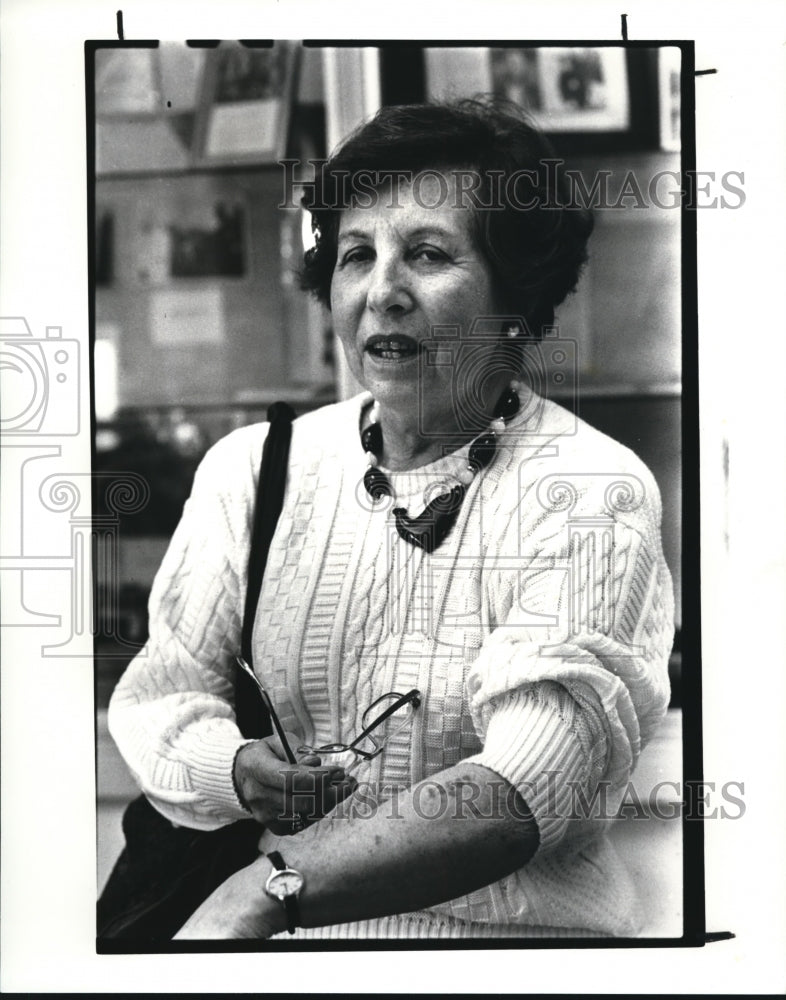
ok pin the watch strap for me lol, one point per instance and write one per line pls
(274, 857)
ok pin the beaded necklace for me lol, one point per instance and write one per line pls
(430, 528)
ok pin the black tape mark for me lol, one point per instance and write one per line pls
(711, 938)
(120, 34)
(704, 72)
(624, 19)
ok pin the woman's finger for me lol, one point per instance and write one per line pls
(270, 770)
(277, 746)
(275, 790)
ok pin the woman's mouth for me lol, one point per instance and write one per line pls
(393, 348)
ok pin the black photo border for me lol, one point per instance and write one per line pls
(637, 137)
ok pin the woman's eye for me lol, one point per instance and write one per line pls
(357, 255)
(429, 253)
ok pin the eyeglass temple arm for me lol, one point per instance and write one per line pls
(269, 706)
(411, 696)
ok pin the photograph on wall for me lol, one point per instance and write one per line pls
(210, 245)
(247, 93)
(565, 89)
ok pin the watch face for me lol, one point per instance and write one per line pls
(287, 883)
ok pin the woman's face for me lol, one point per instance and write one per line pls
(402, 269)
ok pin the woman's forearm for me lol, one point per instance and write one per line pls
(450, 835)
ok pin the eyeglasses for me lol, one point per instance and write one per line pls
(397, 709)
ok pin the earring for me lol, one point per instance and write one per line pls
(512, 331)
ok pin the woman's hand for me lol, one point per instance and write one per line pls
(283, 796)
(238, 909)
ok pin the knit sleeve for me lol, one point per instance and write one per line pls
(573, 681)
(172, 713)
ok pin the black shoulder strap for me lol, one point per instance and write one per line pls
(252, 717)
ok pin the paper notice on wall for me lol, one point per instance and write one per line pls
(186, 316)
(244, 128)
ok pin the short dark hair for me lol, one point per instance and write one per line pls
(536, 251)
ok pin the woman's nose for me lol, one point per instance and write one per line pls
(388, 287)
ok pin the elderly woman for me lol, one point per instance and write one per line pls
(449, 535)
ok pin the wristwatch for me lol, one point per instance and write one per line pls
(284, 884)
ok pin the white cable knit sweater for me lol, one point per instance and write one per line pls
(538, 634)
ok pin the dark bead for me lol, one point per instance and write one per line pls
(430, 528)
(421, 534)
(377, 484)
(508, 405)
(483, 450)
(371, 439)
